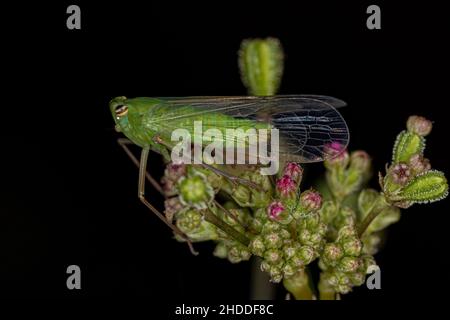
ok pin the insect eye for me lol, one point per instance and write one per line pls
(121, 110)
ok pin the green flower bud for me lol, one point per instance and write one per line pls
(419, 125)
(349, 264)
(310, 200)
(273, 240)
(360, 161)
(238, 253)
(195, 191)
(261, 65)
(328, 211)
(273, 256)
(257, 246)
(347, 232)
(371, 242)
(276, 274)
(221, 250)
(352, 246)
(306, 254)
(289, 270)
(290, 249)
(407, 145)
(192, 223)
(357, 279)
(426, 187)
(332, 253)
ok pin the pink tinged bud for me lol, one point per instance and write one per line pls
(311, 200)
(176, 170)
(419, 125)
(400, 173)
(335, 155)
(275, 210)
(419, 164)
(294, 171)
(286, 186)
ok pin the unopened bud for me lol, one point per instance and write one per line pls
(419, 125)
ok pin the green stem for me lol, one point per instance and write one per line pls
(299, 286)
(212, 218)
(378, 207)
(325, 291)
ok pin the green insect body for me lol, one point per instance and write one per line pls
(145, 118)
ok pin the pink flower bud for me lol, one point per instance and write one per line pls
(275, 210)
(419, 125)
(419, 164)
(294, 171)
(311, 200)
(286, 186)
(336, 155)
(400, 173)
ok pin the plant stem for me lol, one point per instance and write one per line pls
(299, 286)
(212, 218)
(378, 207)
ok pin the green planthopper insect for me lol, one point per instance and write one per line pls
(296, 128)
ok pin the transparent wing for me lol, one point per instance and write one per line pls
(307, 124)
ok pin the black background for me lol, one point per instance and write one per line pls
(69, 194)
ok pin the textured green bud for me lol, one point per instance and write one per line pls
(332, 253)
(238, 253)
(290, 249)
(310, 200)
(273, 256)
(349, 264)
(328, 211)
(347, 232)
(257, 246)
(407, 144)
(371, 242)
(426, 187)
(357, 278)
(307, 254)
(352, 246)
(289, 269)
(195, 191)
(261, 65)
(419, 125)
(273, 240)
(192, 223)
(276, 274)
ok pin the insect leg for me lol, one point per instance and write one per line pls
(141, 195)
(123, 142)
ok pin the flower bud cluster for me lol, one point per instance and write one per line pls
(346, 173)
(343, 262)
(409, 179)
